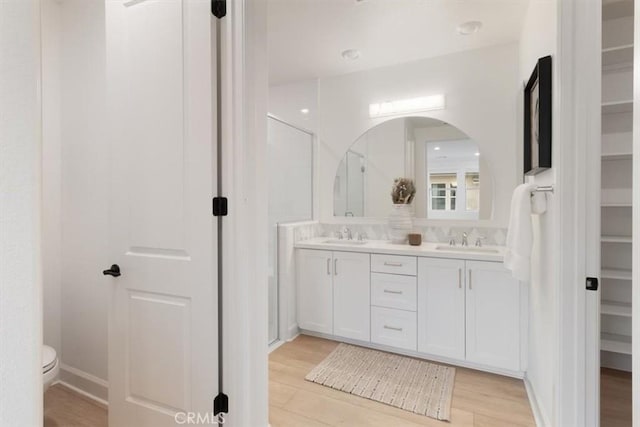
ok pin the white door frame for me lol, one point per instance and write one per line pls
(578, 199)
(244, 126)
(636, 221)
(20, 214)
(578, 135)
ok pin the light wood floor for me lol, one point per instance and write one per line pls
(615, 398)
(479, 399)
(66, 408)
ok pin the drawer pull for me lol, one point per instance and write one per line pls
(459, 278)
(393, 264)
(470, 281)
(393, 328)
(328, 266)
(387, 291)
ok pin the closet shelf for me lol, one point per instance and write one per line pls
(615, 273)
(617, 145)
(617, 55)
(616, 156)
(616, 107)
(613, 9)
(616, 197)
(615, 343)
(616, 205)
(614, 308)
(615, 239)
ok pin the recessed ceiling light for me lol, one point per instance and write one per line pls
(477, 154)
(351, 54)
(305, 111)
(436, 148)
(468, 28)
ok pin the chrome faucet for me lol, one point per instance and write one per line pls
(465, 241)
(479, 240)
(347, 231)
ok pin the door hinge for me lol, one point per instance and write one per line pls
(221, 404)
(592, 283)
(219, 8)
(220, 206)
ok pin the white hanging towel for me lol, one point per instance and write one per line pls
(538, 203)
(517, 257)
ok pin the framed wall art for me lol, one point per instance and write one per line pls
(537, 118)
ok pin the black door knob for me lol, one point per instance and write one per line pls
(113, 271)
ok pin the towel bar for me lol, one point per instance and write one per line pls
(543, 189)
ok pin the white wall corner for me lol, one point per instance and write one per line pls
(88, 385)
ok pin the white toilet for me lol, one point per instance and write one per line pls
(50, 366)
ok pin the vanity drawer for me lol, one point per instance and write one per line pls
(394, 264)
(394, 291)
(395, 328)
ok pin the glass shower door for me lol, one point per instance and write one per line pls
(290, 164)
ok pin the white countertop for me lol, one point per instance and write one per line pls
(427, 249)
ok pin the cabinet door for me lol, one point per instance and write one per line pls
(441, 307)
(315, 291)
(493, 315)
(351, 295)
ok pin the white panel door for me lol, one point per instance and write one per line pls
(351, 295)
(163, 310)
(315, 290)
(493, 316)
(441, 309)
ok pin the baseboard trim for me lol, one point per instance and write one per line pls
(274, 346)
(93, 387)
(292, 332)
(538, 415)
(83, 394)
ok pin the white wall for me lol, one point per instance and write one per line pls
(481, 89)
(20, 215)
(84, 197)
(384, 151)
(539, 38)
(51, 172)
(286, 101)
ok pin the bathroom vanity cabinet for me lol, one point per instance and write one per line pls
(466, 312)
(334, 293)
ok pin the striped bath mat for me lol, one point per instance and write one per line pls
(406, 383)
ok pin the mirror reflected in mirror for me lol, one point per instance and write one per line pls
(451, 178)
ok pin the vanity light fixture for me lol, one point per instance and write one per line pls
(436, 148)
(351, 54)
(477, 154)
(469, 27)
(389, 108)
(305, 111)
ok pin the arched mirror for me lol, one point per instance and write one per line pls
(451, 177)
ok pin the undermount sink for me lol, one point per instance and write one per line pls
(345, 242)
(468, 249)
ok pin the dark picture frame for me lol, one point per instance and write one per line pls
(537, 118)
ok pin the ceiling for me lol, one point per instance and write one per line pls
(306, 37)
